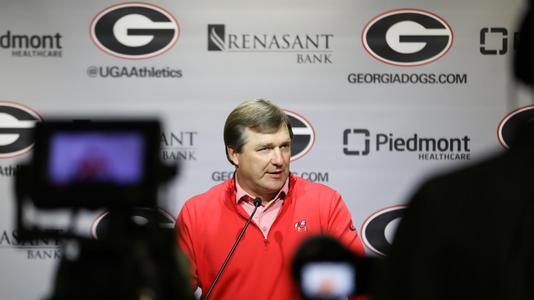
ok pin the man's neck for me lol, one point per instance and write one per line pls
(265, 198)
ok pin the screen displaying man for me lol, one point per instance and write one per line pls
(257, 136)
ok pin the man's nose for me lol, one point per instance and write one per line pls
(277, 158)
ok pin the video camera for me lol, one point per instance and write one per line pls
(91, 165)
(103, 165)
(325, 269)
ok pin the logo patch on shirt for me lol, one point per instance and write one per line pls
(301, 225)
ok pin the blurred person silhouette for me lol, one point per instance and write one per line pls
(469, 234)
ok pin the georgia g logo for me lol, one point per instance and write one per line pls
(379, 228)
(303, 135)
(134, 30)
(508, 128)
(407, 37)
(16, 126)
(140, 216)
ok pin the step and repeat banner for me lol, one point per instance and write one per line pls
(381, 94)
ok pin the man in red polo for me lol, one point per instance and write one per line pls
(257, 135)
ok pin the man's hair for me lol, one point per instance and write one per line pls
(257, 115)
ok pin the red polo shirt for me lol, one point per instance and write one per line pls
(265, 214)
(209, 224)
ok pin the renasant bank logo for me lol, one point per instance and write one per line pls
(360, 142)
(37, 249)
(310, 48)
(179, 145)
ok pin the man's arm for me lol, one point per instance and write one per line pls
(340, 225)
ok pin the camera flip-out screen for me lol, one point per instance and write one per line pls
(96, 157)
(95, 164)
(328, 280)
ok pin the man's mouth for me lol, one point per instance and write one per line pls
(275, 174)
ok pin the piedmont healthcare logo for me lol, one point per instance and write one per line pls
(509, 126)
(32, 45)
(379, 229)
(16, 125)
(497, 40)
(361, 142)
(309, 48)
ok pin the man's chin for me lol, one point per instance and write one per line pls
(274, 186)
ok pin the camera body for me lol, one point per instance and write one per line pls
(104, 165)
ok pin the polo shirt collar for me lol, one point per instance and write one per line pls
(241, 194)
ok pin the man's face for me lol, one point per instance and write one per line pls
(263, 164)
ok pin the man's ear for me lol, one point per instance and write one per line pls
(232, 156)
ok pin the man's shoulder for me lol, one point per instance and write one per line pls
(302, 185)
(299, 181)
(216, 192)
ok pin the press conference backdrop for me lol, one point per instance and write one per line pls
(381, 94)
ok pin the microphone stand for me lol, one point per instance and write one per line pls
(257, 203)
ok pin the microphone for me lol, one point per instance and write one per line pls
(257, 203)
